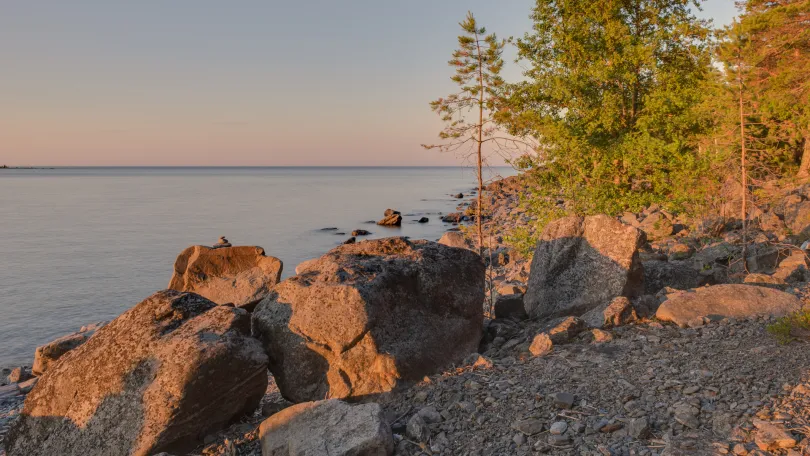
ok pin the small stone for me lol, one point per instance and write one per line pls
(529, 426)
(558, 440)
(739, 449)
(691, 390)
(639, 428)
(613, 427)
(519, 439)
(600, 424)
(541, 345)
(420, 396)
(687, 415)
(563, 400)
(430, 414)
(600, 336)
(558, 428)
(417, 430)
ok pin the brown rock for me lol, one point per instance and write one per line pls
(793, 268)
(566, 330)
(764, 280)
(719, 301)
(771, 437)
(241, 276)
(47, 354)
(656, 226)
(329, 427)
(619, 311)
(368, 315)
(581, 263)
(391, 220)
(166, 372)
(541, 345)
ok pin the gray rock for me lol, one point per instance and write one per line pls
(510, 306)
(563, 400)
(454, 239)
(169, 370)
(330, 427)
(406, 308)
(581, 263)
(530, 426)
(726, 301)
(679, 275)
(417, 430)
(639, 428)
(558, 428)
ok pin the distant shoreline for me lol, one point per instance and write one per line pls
(24, 167)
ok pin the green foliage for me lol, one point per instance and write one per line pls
(612, 94)
(768, 48)
(523, 240)
(784, 327)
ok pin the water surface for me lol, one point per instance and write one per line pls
(82, 245)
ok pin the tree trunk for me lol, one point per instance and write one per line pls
(804, 166)
(744, 211)
(480, 144)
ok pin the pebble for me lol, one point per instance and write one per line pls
(558, 428)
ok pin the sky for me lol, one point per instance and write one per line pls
(250, 83)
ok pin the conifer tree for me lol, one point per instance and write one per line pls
(469, 113)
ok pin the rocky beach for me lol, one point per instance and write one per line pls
(646, 334)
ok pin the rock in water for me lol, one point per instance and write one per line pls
(719, 301)
(241, 276)
(391, 220)
(580, 263)
(162, 375)
(367, 315)
(330, 427)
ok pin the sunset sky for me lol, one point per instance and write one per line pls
(207, 82)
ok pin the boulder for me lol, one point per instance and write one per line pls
(454, 239)
(455, 217)
(793, 268)
(389, 212)
(581, 263)
(765, 280)
(331, 427)
(360, 232)
(161, 376)
(656, 226)
(617, 312)
(367, 315)
(241, 276)
(674, 274)
(797, 217)
(721, 301)
(47, 354)
(423, 220)
(391, 220)
(510, 306)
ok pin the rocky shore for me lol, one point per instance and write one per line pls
(648, 334)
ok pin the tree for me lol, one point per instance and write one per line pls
(773, 39)
(610, 94)
(478, 65)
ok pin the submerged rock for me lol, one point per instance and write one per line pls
(368, 315)
(241, 276)
(581, 263)
(391, 220)
(168, 371)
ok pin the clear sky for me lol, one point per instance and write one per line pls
(256, 82)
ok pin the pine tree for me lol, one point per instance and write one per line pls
(469, 113)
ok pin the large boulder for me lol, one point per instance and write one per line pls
(673, 274)
(331, 427)
(161, 376)
(581, 263)
(454, 239)
(721, 301)
(47, 354)
(367, 315)
(241, 276)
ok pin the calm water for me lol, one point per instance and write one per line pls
(81, 245)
